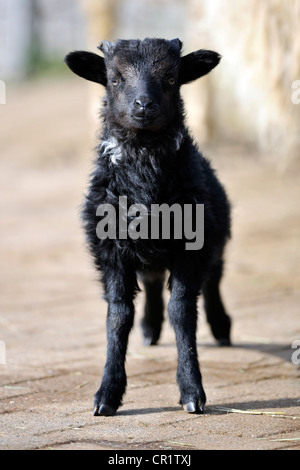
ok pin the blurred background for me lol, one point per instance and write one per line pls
(247, 99)
(242, 115)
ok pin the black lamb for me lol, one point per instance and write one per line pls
(146, 157)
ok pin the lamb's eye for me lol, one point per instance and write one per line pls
(171, 81)
(115, 81)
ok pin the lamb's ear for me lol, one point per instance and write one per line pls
(176, 43)
(87, 65)
(197, 64)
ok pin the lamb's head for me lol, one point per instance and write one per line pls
(142, 79)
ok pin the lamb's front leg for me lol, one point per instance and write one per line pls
(120, 315)
(182, 311)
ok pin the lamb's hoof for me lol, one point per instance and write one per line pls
(150, 334)
(224, 342)
(195, 407)
(104, 410)
(149, 341)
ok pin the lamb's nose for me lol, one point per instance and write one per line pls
(143, 102)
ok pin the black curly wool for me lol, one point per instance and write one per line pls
(147, 156)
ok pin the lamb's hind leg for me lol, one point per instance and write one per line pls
(154, 306)
(217, 317)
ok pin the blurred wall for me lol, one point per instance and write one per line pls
(36, 31)
(15, 38)
(250, 92)
(246, 99)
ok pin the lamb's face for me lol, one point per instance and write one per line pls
(142, 83)
(142, 79)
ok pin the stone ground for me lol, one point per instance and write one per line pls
(52, 315)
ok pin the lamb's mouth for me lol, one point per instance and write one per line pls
(145, 121)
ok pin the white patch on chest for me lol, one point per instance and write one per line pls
(113, 149)
(179, 140)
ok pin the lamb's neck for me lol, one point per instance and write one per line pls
(164, 142)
